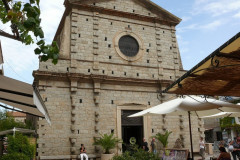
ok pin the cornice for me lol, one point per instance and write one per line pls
(43, 75)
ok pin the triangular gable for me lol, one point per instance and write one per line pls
(142, 7)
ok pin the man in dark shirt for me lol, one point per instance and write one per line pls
(83, 152)
(145, 145)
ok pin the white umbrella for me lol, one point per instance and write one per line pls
(198, 106)
(223, 114)
(191, 105)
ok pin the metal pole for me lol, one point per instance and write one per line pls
(190, 130)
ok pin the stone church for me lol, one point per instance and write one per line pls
(115, 58)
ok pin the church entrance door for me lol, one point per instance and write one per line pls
(132, 128)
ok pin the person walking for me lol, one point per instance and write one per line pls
(154, 146)
(202, 148)
(145, 145)
(83, 152)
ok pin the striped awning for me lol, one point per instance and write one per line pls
(216, 75)
(22, 96)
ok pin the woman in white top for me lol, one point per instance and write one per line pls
(202, 148)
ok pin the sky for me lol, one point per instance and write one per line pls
(205, 26)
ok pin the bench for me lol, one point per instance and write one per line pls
(68, 157)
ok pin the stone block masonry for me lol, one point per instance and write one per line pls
(94, 81)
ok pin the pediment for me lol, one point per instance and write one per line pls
(140, 7)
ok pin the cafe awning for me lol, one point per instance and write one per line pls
(218, 74)
(22, 96)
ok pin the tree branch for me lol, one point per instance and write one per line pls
(14, 30)
(5, 34)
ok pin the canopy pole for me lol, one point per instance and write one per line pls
(190, 130)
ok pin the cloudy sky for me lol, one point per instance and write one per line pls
(205, 26)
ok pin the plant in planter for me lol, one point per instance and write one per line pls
(107, 142)
(163, 138)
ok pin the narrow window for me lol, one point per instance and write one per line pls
(109, 46)
(103, 71)
(87, 19)
(110, 57)
(105, 38)
(80, 101)
(89, 70)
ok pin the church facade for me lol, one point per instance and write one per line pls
(115, 58)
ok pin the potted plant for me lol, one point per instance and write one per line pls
(107, 142)
(163, 139)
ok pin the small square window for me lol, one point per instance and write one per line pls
(110, 57)
(89, 70)
(109, 46)
(87, 19)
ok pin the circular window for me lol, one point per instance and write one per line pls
(128, 46)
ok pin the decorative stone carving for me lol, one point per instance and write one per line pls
(178, 143)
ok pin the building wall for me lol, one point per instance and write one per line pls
(91, 83)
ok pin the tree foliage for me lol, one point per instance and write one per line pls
(19, 147)
(7, 122)
(25, 24)
(229, 123)
(163, 138)
(137, 154)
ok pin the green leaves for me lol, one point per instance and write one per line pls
(107, 142)
(26, 20)
(163, 138)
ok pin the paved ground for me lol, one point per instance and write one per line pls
(216, 154)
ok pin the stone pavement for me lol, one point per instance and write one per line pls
(208, 156)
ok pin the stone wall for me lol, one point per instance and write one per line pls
(92, 81)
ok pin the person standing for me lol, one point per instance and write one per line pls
(145, 145)
(236, 148)
(202, 148)
(83, 152)
(154, 146)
